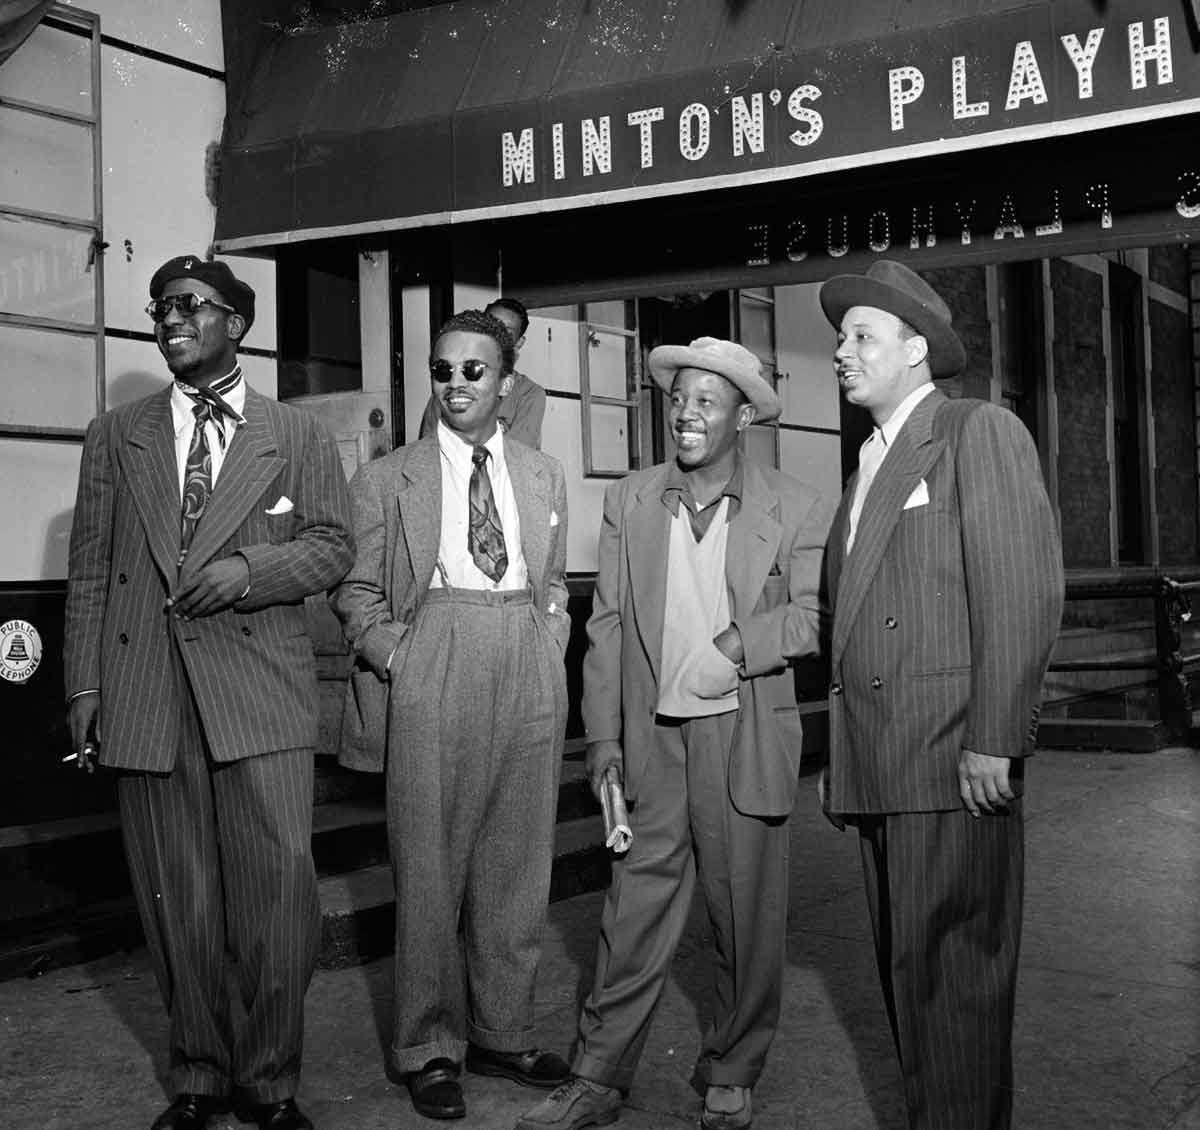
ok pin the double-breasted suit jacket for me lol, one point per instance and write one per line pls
(772, 568)
(397, 508)
(250, 667)
(945, 610)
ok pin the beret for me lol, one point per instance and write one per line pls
(213, 272)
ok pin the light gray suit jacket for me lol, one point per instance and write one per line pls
(250, 667)
(772, 569)
(397, 510)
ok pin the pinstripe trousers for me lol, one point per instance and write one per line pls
(476, 721)
(945, 892)
(221, 861)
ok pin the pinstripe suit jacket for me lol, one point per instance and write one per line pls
(250, 667)
(772, 568)
(397, 507)
(944, 614)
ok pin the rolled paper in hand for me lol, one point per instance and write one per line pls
(617, 833)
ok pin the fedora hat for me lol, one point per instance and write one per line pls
(893, 287)
(725, 358)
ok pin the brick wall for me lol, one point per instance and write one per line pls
(1174, 435)
(964, 290)
(1169, 266)
(1080, 384)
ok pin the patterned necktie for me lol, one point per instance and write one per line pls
(208, 405)
(870, 455)
(485, 536)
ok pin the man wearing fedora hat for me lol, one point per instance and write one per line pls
(944, 570)
(707, 586)
(205, 514)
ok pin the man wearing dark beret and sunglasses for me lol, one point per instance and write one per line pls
(456, 612)
(205, 514)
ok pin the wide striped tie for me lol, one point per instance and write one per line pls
(485, 535)
(208, 404)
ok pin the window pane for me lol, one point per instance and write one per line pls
(610, 314)
(758, 328)
(47, 165)
(53, 68)
(608, 364)
(43, 271)
(49, 378)
(610, 439)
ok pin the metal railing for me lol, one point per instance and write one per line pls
(1170, 664)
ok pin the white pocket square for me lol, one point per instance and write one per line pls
(553, 518)
(919, 496)
(283, 506)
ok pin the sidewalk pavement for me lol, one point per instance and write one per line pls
(1108, 1016)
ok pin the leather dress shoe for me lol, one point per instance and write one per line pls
(283, 1115)
(532, 1068)
(435, 1090)
(189, 1112)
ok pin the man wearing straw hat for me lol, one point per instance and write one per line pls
(945, 572)
(707, 586)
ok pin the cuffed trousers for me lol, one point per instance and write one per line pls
(476, 722)
(221, 862)
(945, 892)
(684, 824)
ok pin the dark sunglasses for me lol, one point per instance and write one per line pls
(471, 369)
(187, 304)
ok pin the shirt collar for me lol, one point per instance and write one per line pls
(679, 486)
(904, 409)
(182, 404)
(457, 450)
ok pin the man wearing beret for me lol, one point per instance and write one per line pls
(205, 514)
(709, 568)
(945, 572)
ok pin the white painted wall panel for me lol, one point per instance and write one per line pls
(551, 352)
(185, 29)
(36, 506)
(154, 180)
(133, 369)
(585, 497)
(805, 342)
(259, 275)
(814, 459)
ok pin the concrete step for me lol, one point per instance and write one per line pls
(59, 911)
(358, 907)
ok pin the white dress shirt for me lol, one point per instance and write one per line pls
(875, 449)
(461, 572)
(219, 429)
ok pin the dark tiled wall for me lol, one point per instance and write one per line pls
(1174, 435)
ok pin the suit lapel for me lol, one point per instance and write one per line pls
(152, 474)
(420, 503)
(252, 461)
(912, 453)
(648, 546)
(753, 543)
(533, 508)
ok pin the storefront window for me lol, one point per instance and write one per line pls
(609, 378)
(1128, 390)
(51, 293)
(320, 340)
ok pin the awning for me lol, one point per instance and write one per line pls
(495, 108)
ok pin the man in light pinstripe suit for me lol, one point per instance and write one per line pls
(188, 663)
(945, 572)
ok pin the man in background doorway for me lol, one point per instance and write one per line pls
(522, 410)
